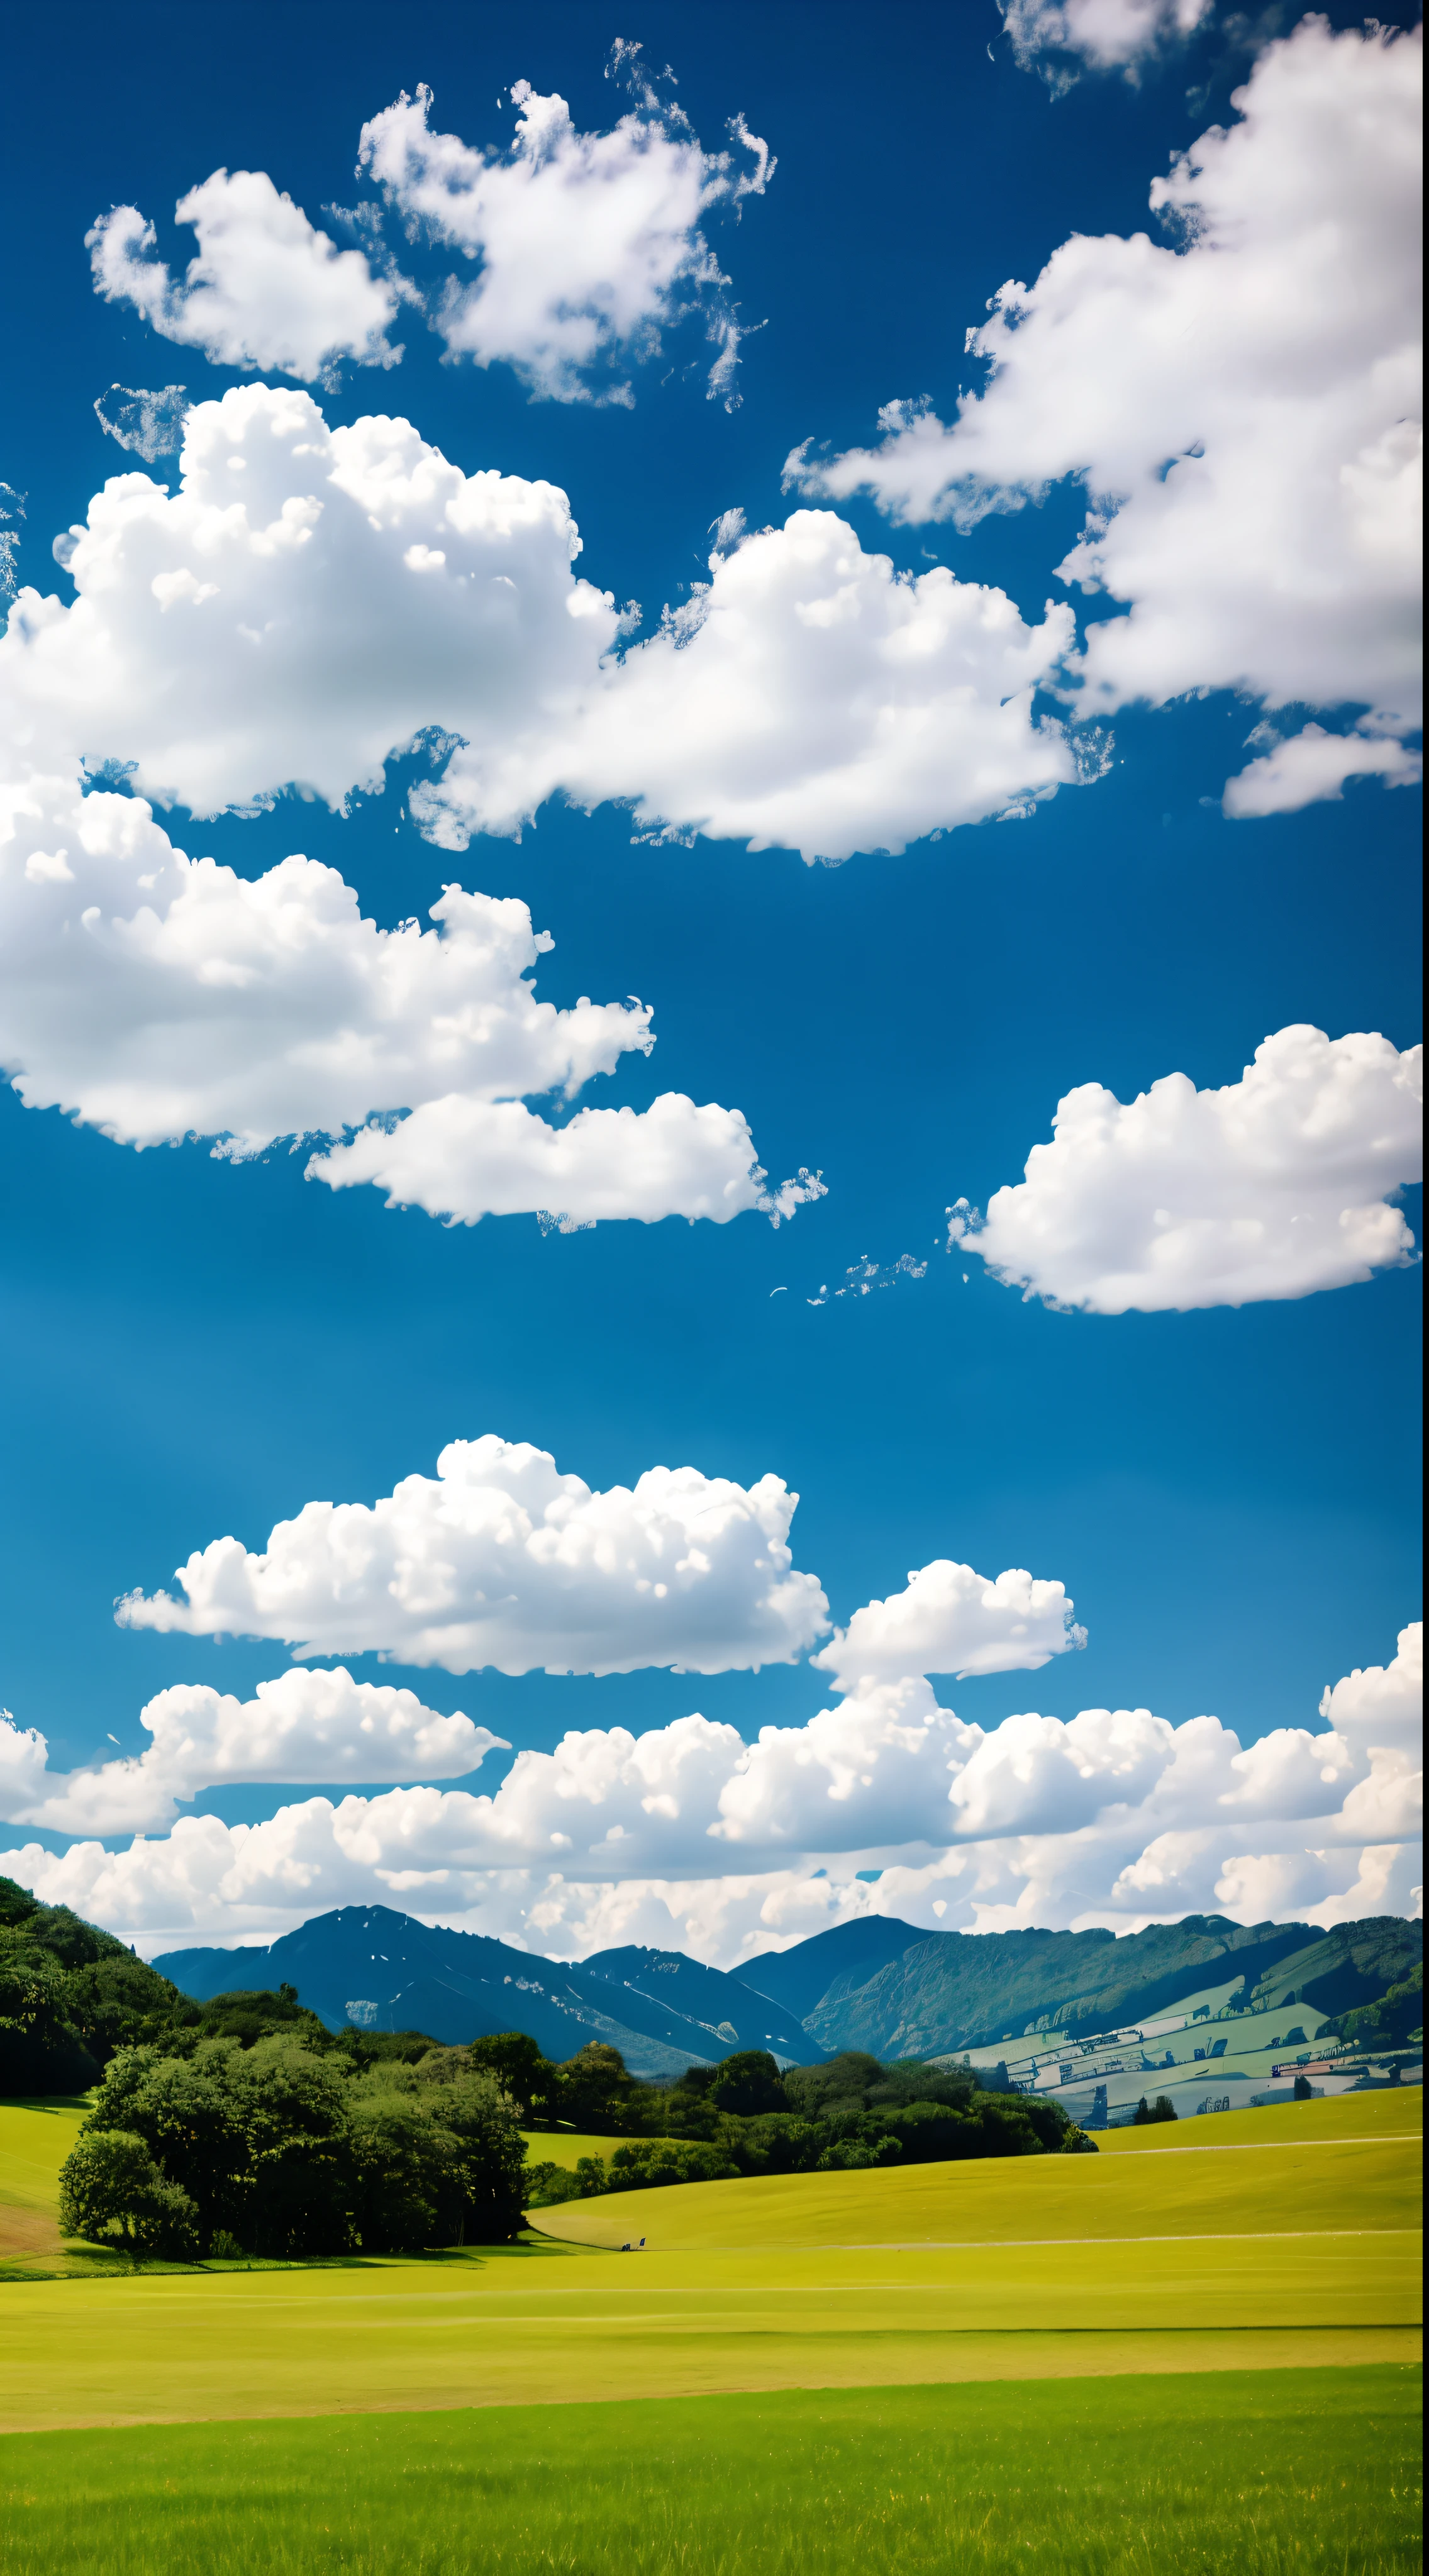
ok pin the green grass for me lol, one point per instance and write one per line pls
(1302, 2170)
(1266, 2474)
(1283, 2252)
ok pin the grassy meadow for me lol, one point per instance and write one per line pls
(1242, 2474)
(1211, 2329)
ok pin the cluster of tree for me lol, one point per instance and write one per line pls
(1147, 2114)
(746, 2117)
(277, 2148)
(1396, 2021)
(69, 1996)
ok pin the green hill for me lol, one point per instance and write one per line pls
(953, 1990)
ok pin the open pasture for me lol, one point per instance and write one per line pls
(1036, 2267)
(1240, 2474)
(1258, 2176)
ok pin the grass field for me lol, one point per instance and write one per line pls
(35, 2138)
(1283, 2253)
(1246, 2474)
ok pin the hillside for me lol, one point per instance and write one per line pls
(950, 1990)
(384, 1971)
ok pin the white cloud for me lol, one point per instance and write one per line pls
(1115, 1816)
(1383, 1705)
(1313, 765)
(303, 1726)
(1244, 410)
(952, 1620)
(149, 423)
(1274, 1186)
(585, 246)
(156, 997)
(501, 1560)
(309, 601)
(466, 1158)
(809, 698)
(304, 603)
(265, 289)
(1056, 37)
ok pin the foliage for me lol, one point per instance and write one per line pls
(111, 2186)
(1392, 2022)
(1146, 2115)
(288, 2152)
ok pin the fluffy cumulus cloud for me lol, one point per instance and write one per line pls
(1243, 404)
(811, 698)
(580, 249)
(1274, 1186)
(307, 602)
(265, 288)
(951, 1620)
(156, 996)
(1061, 38)
(500, 1560)
(1115, 1816)
(303, 1726)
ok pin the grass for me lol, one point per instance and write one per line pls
(1264, 2474)
(1053, 2267)
(565, 2147)
(1282, 2176)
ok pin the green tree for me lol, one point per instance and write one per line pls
(185, 2111)
(747, 2083)
(111, 2187)
(593, 2090)
(41, 2051)
(302, 2179)
(519, 2069)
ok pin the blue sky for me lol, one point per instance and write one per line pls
(199, 1348)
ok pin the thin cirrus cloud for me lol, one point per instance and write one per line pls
(304, 1726)
(1060, 39)
(1274, 1186)
(1115, 1816)
(156, 997)
(1243, 407)
(309, 601)
(581, 249)
(501, 1561)
(265, 288)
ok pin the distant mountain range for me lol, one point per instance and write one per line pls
(877, 1984)
(383, 1971)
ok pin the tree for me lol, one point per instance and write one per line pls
(747, 2083)
(519, 2069)
(1304, 2090)
(110, 2185)
(593, 2090)
(187, 2116)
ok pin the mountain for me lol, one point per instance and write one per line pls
(877, 1984)
(383, 1971)
(800, 1978)
(734, 2010)
(946, 1991)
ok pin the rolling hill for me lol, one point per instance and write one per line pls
(946, 1991)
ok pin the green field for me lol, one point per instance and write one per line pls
(1211, 2328)
(1237, 2475)
(1298, 2249)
